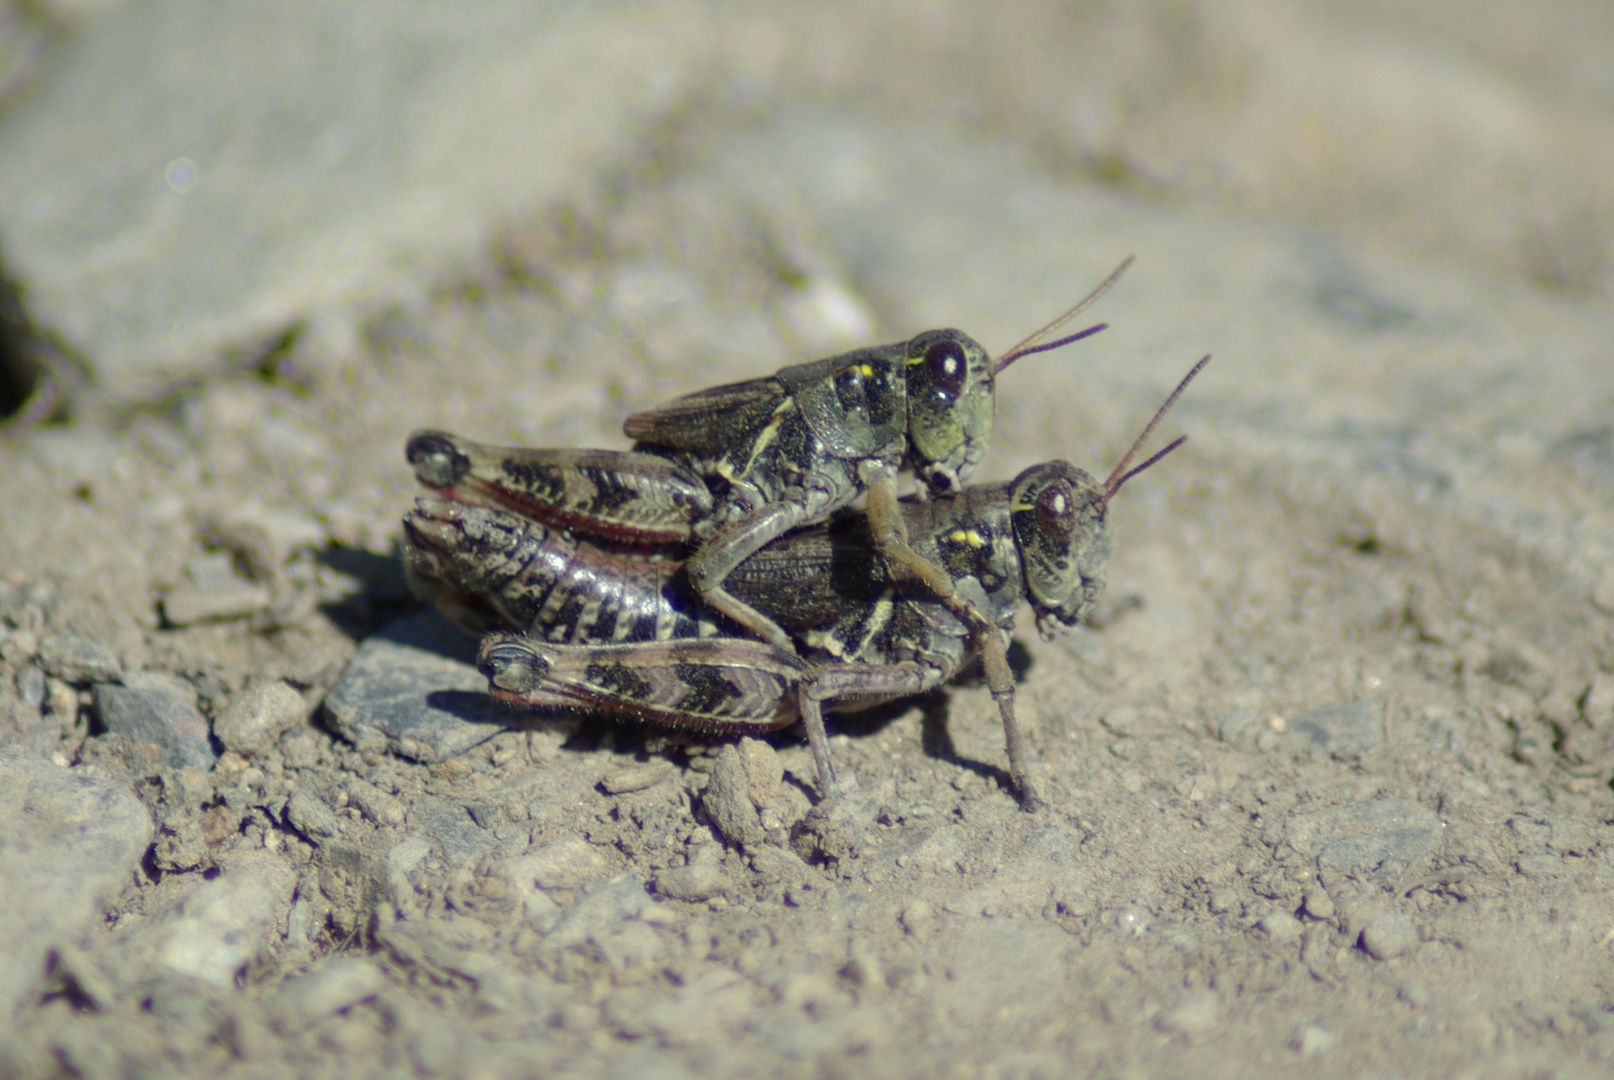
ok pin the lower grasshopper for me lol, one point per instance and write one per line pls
(724, 471)
(595, 630)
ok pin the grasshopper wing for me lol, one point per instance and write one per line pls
(639, 500)
(709, 422)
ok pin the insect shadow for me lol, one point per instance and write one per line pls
(380, 596)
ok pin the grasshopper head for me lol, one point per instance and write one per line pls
(1058, 513)
(950, 407)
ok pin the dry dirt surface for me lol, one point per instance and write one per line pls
(1328, 776)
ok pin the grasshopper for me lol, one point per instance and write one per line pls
(599, 631)
(729, 469)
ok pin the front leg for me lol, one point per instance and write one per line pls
(994, 647)
(733, 544)
(890, 535)
(828, 682)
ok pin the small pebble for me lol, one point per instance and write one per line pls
(375, 804)
(763, 772)
(1280, 927)
(1196, 1013)
(309, 815)
(304, 1000)
(188, 605)
(917, 916)
(77, 659)
(601, 908)
(1414, 994)
(31, 685)
(863, 971)
(1318, 905)
(258, 716)
(691, 883)
(728, 803)
(156, 708)
(563, 864)
(1388, 936)
(1314, 1041)
(640, 777)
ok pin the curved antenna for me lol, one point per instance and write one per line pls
(1122, 474)
(1030, 345)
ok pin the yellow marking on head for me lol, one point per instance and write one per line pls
(1021, 506)
(866, 370)
(975, 539)
(957, 536)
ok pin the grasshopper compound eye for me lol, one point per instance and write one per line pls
(438, 462)
(512, 668)
(1056, 509)
(948, 369)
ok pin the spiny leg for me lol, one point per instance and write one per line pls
(1000, 680)
(731, 545)
(828, 682)
(890, 535)
(812, 717)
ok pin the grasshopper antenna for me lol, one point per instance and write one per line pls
(1122, 474)
(1032, 344)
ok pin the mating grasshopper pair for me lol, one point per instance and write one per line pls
(552, 543)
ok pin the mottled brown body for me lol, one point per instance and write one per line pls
(599, 630)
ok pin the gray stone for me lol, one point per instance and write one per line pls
(214, 601)
(640, 777)
(30, 682)
(1379, 839)
(693, 883)
(1280, 927)
(1389, 935)
(304, 1000)
(258, 716)
(514, 881)
(594, 916)
(214, 592)
(68, 843)
(375, 804)
(414, 689)
(309, 815)
(1345, 732)
(74, 658)
(332, 175)
(727, 801)
(159, 709)
(449, 829)
(403, 859)
(570, 863)
(214, 932)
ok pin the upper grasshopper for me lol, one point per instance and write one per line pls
(630, 636)
(732, 468)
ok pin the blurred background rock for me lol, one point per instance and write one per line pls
(185, 185)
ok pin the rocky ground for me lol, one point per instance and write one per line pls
(1329, 776)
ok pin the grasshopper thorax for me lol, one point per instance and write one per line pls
(950, 407)
(1058, 514)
